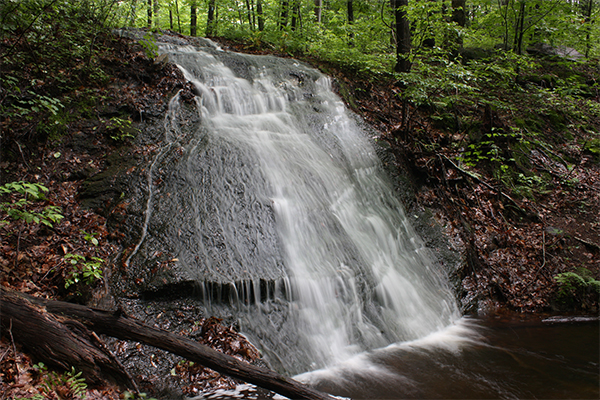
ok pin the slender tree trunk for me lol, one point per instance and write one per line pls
(393, 38)
(211, 22)
(283, 20)
(296, 18)
(458, 12)
(249, 12)
(350, 10)
(588, 21)
(402, 26)
(520, 29)
(149, 14)
(171, 19)
(193, 19)
(156, 22)
(503, 5)
(178, 17)
(318, 10)
(261, 18)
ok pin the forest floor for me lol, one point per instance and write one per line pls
(515, 243)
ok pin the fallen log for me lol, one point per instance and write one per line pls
(23, 314)
(56, 340)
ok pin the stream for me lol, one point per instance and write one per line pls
(496, 357)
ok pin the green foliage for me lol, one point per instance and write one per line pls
(34, 103)
(70, 383)
(437, 81)
(149, 45)
(20, 209)
(90, 237)
(120, 129)
(484, 150)
(593, 146)
(579, 287)
(84, 270)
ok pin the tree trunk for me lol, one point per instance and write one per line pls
(296, 18)
(588, 21)
(520, 29)
(402, 27)
(56, 340)
(261, 18)
(156, 22)
(283, 20)
(211, 22)
(250, 11)
(458, 12)
(178, 17)
(350, 9)
(318, 10)
(193, 19)
(149, 14)
(56, 331)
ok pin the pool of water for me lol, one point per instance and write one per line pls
(478, 358)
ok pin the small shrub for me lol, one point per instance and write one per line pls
(69, 385)
(120, 129)
(149, 45)
(578, 288)
(21, 208)
(83, 270)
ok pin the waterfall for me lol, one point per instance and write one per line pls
(272, 200)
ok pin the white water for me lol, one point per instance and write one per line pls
(357, 275)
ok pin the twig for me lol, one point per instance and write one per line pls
(587, 243)
(22, 155)
(543, 255)
(50, 270)
(12, 339)
(474, 176)
(7, 350)
(4, 355)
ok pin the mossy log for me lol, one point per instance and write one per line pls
(59, 332)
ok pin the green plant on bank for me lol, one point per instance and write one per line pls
(578, 287)
(149, 45)
(83, 269)
(20, 209)
(90, 237)
(120, 129)
(68, 385)
(35, 103)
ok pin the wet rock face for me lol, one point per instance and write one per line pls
(206, 223)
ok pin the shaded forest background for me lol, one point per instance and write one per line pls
(493, 108)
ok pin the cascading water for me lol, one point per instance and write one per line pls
(271, 198)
